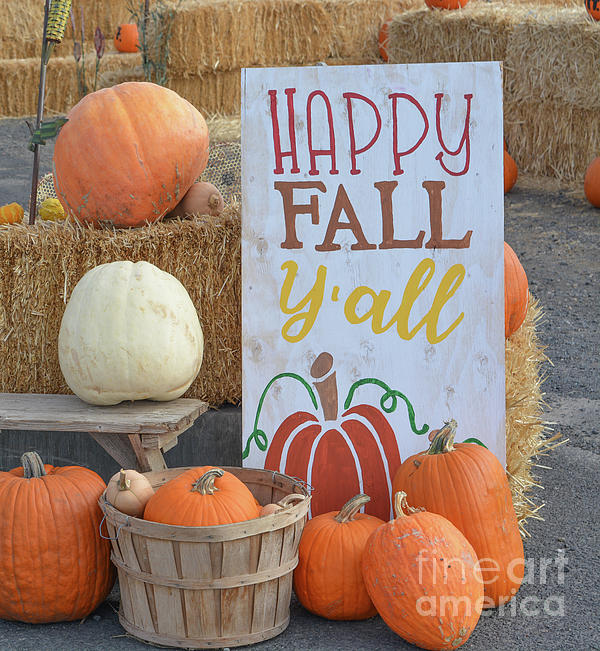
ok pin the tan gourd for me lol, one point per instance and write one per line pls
(288, 500)
(129, 491)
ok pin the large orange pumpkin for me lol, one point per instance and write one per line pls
(516, 292)
(128, 154)
(54, 566)
(423, 577)
(328, 579)
(511, 172)
(201, 497)
(591, 183)
(466, 484)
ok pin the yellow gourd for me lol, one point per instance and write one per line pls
(52, 210)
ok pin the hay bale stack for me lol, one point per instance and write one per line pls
(21, 23)
(40, 266)
(551, 86)
(19, 79)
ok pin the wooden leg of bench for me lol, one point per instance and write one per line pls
(147, 458)
(119, 448)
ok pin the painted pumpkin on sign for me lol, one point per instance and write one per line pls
(339, 456)
(593, 8)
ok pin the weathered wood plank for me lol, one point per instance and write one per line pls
(67, 413)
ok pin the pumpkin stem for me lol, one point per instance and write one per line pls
(443, 441)
(205, 485)
(124, 483)
(351, 508)
(400, 504)
(33, 466)
(288, 500)
(327, 387)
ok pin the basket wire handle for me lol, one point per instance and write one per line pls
(123, 524)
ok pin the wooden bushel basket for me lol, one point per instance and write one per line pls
(207, 587)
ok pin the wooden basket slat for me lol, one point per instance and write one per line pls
(263, 613)
(209, 587)
(169, 611)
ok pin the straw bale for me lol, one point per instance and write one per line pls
(19, 81)
(478, 32)
(553, 55)
(527, 435)
(22, 21)
(229, 34)
(552, 138)
(40, 265)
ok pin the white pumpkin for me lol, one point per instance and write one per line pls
(129, 332)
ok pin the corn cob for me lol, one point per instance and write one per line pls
(58, 15)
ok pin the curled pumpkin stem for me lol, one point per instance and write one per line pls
(290, 499)
(443, 441)
(33, 466)
(401, 505)
(351, 508)
(205, 485)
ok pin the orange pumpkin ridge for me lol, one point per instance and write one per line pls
(61, 571)
(328, 579)
(516, 292)
(423, 577)
(204, 496)
(128, 154)
(465, 483)
(591, 181)
(511, 172)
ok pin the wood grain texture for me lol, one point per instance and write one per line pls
(67, 413)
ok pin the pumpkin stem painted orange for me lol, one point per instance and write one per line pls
(400, 504)
(443, 441)
(124, 483)
(205, 485)
(33, 466)
(351, 508)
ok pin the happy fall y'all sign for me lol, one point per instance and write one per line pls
(372, 266)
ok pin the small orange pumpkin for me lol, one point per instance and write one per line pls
(467, 484)
(446, 4)
(516, 292)
(591, 183)
(328, 579)
(423, 576)
(201, 497)
(11, 213)
(511, 172)
(384, 36)
(127, 38)
(593, 8)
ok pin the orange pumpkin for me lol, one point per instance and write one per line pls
(328, 579)
(54, 566)
(128, 154)
(466, 484)
(516, 292)
(127, 38)
(384, 35)
(591, 183)
(423, 577)
(11, 213)
(446, 4)
(593, 8)
(510, 172)
(201, 497)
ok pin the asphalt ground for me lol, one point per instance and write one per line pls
(556, 235)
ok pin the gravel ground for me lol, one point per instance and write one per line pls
(556, 235)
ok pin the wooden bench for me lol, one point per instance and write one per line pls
(135, 434)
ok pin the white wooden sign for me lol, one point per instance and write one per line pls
(372, 263)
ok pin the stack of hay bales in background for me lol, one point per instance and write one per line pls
(21, 24)
(551, 82)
